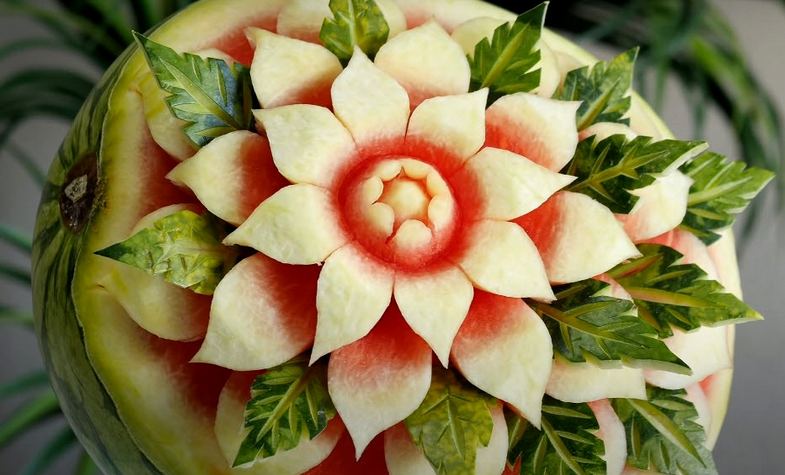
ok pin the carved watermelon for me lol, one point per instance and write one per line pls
(366, 275)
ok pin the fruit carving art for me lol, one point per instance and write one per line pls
(370, 237)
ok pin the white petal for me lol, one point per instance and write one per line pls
(505, 349)
(512, 185)
(309, 144)
(379, 380)
(502, 259)
(297, 225)
(289, 71)
(231, 175)
(584, 382)
(470, 33)
(435, 305)
(577, 237)
(602, 130)
(541, 129)
(263, 314)
(661, 207)
(613, 436)
(352, 294)
(704, 350)
(426, 62)
(456, 123)
(371, 104)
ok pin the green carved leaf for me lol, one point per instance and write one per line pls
(721, 189)
(505, 63)
(213, 97)
(451, 424)
(662, 434)
(566, 444)
(671, 294)
(608, 170)
(183, 248)
(287, 403)
(356, 23)
(602, 88)
(587, 326)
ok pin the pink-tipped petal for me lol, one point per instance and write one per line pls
(426, 62)
(309, 144)
(353, 292)
(297, 225)
(231, 175)
(371, 104)
(290, 71)
(505, 349)
(541, 129)
(263, 314)
(577, 237)
(455, 123)
(435, 305)
(379, 380)
(511, 185)
(613, 436)
(500, 258)
(660, 208)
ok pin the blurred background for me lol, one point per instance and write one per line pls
(714, 70)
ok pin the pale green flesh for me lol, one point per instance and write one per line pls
(122, 401)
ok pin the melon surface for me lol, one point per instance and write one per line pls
(372, 237)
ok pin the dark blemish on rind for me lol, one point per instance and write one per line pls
(78, 193)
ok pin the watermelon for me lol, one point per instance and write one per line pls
(383, 242)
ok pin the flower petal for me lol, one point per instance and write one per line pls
(454, 123)
(602, 130)
(231, 175)
(511, 185)
(371, 104)
(577, 237)
(584, 382)
(426, 62)
(613, 436)
(379, 380)
(435, 305)
(541, 129)
(297, 225)
(661, 207)
(353, 292)
(289, 71)
(309, 144)
(403, 457)
(501, 259)
(302, 19)
(705, 350)
(230, 432)
(263, 315)
(505, 349)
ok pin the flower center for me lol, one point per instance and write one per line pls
(401, 209)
